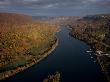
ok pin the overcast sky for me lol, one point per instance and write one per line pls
(55, 7)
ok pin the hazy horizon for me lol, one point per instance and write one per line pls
(55, 7)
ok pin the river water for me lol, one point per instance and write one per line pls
(69, 58)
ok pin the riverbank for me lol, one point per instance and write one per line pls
(93, 42)
(46, 53)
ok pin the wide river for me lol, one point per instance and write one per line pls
(69, 58)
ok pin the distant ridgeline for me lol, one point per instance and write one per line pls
(23, 41)
(13, 18)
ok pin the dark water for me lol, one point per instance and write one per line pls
(69, 58)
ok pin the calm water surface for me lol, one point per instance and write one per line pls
(69, 58)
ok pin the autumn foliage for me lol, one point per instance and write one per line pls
(22, 40)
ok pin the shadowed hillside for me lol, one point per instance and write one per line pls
(95, 30)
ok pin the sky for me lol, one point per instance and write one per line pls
(55, 7)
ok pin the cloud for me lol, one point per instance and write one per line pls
(52, 7)
(4, 2)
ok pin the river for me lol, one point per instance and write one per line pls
(69, 58)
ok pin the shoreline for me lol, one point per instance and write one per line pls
(105, 72)
(10, 73)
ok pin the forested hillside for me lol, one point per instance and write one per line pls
(22, 42)
(95, 30)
